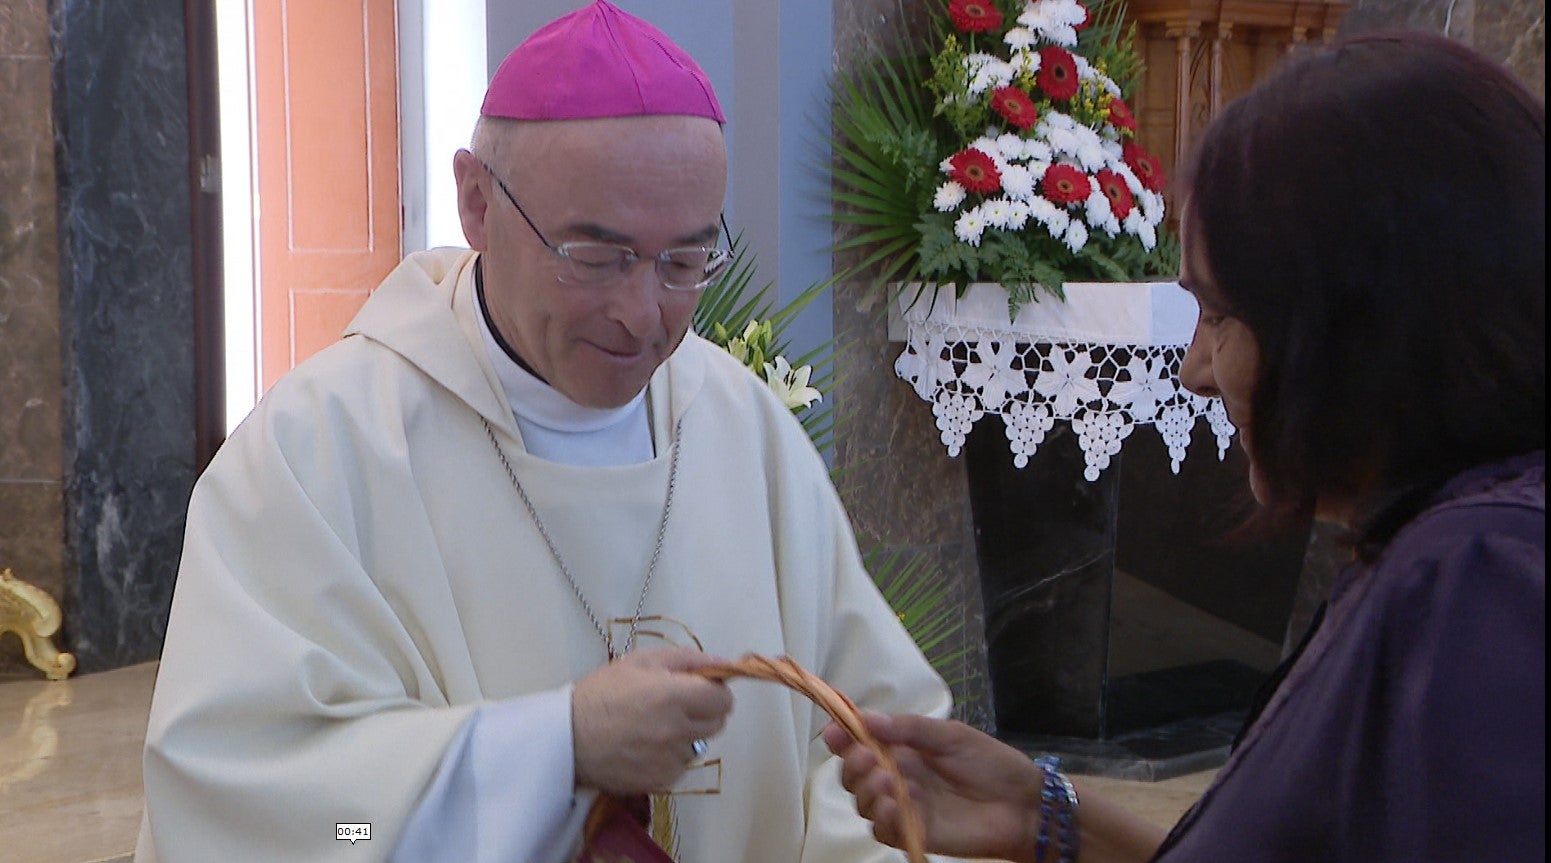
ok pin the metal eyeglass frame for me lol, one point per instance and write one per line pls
(717, 258)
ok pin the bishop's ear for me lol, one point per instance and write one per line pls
(473, 198)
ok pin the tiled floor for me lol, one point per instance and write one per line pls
(70, 769)
(70, 766)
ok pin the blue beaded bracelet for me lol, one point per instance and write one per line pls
(1058, 805)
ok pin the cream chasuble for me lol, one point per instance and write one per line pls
(359, 576)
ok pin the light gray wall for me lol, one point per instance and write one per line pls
(769, 62)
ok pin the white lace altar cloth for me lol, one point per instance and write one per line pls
(1106, 360)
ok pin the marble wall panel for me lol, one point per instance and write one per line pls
(121, 114)
(32, 541)
(24, 28)
(1512, 31)
(31, 448)
(902, 490)
(1456, 17)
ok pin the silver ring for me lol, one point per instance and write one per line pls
(699, 746)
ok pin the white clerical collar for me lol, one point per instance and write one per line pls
(557, 429)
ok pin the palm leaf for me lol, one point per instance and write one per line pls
(878, 118)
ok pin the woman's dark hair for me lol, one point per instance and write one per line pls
(1375, 213)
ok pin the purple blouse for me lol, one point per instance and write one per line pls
(1413, 726)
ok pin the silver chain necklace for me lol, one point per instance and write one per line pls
(554, 552)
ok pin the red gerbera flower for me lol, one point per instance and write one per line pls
(1115, 189)
(1057, 73)
(1120, 115)
(975, 16)
(1065, 184)
(1087, 18)
(975, 171)
(1014, 105)
(1145, 166)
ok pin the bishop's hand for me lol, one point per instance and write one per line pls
(635, 720)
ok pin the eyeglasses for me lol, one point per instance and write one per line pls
(687, 269)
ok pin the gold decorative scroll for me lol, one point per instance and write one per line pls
(34, 616)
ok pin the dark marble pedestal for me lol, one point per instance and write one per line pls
(1045, 537)
(1068, 674)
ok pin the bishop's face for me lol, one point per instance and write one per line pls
(646, 183)
(1223, 360)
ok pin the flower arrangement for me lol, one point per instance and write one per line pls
(1008, 154)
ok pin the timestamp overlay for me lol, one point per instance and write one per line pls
(354, 832)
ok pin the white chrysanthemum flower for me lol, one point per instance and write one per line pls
(1148, 235)
(1152, 206)
(1058, 120)
(1100, 214)
(1038, 169)
(974, 63)
(1055, 20)
(1115, 151)
(1076, 235)
(1097, 207)
(946, 165)
(1037, 151)
(949, 196)
(997, 212)
(1010, 146)
(1018, 182)
(1019, 38)
(1061, 34)
(1135, 222)
(1089, 149)
(986, 71)
(1120, 167)
(1070, 12)
(1019, 216)
(1062, 141)
(970, 225)
(1048, 214)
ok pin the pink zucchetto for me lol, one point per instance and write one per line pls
(599, 62)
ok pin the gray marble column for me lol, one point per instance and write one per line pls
(902, 490)
(126, 295)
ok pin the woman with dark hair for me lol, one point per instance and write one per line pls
(1365, 234)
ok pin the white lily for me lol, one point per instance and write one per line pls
(791, 385)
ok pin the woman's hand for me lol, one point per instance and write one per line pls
(978, 797)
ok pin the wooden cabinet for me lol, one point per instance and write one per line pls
(1201, 54)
